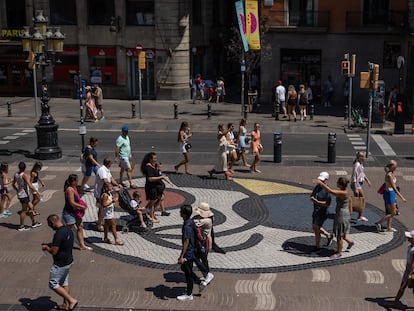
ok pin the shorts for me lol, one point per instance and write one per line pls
(24, 200)
(59, 276)
(242, 141)
(389, 197)
(4, 191)
(89, 169)
(282, 104)
(68, 218)
(358, 186)
(124, 163)
(318, 218)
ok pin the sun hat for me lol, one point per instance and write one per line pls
(409, 234)
(203, 209)
(125, 128)
(323, 176)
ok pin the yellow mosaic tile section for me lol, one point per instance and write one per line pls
(261, 187)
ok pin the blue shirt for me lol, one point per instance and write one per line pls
(188, 233)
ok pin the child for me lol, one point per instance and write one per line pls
(136, 205)
(107, 203)
(5, 195)
(35, 180)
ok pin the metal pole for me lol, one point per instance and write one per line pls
(242, 93)
(35, 91)
(82, 124)
(369, 123)
(349, 102)
(140, 93)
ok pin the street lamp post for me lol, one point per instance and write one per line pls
(42, 45)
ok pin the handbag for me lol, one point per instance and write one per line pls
(80, 212)
(357, 204)
(381, 189)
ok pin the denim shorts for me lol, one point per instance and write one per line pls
(89, 169)
(68, 218)
(59, 276)
(389, 197)
(24, 200)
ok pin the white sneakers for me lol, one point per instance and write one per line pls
(185, 297)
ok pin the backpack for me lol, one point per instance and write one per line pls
(124, 199)
(303, 99)
(201, 241)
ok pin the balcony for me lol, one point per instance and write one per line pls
(388, 22)
(302, 21)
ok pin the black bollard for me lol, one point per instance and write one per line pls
(9, 114)
(175, 111)
(277, 147)
(208, 111)
(346, 112)
(331, 147)
(277, 109)
(245, 111)
(133, 110)
(311, 110)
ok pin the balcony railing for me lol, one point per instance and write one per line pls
(367, 21)
(297, 19)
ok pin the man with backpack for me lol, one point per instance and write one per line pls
(203, 225)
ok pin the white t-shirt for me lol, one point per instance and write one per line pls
(281, 93)
(102, 174)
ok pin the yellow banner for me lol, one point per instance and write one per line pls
(252, 24)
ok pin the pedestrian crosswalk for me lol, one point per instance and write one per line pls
(357, 142)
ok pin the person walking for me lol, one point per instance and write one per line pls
(408, 272)
(321, 200)
(256, 147)
(35, 180)
(392, 103)
(281, 98)
(390, 190)
(98, 94)
(221, 164)
(108, 212)
(61, 250)
(90, 157)
(103, 175)
(231, 148)
(342, 220)
(186, 258)
(241, 141)
(203, 219)
(220, 90)
(328, 91)
(302, 101)
(292, 102)
(22, 185)
(123, 153)
(5, 195)
(184, 147)
(74, 209)
(358, 177)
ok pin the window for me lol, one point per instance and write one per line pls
(139, 12)
(391, 52)
(16, 13)
(100, 12)
(376, 12)
(197, 9)
(63, 12)
(301, 12)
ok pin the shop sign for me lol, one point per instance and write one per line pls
(11, 34)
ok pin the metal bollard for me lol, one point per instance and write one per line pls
(331, 147)
(208, 111)
(175, 111)
(277, 147)
(9, 114)
(277, 109)
(245, 111)
(311, 110)
(133, 110)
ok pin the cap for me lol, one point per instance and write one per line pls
(124, 128)
(409, 234)
(323, 176)
(133, 204)
(203, 209)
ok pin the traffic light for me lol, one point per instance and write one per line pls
(364, 80)
(346, 67)
(375, 77)
(141, 60)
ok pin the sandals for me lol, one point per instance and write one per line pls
(86, 248)
(119, 242)
(107, 241)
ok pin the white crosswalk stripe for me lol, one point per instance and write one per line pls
(373, 277)
(399, 265)
(320, 275)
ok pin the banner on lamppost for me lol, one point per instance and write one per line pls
(252, 25)
(242, 23)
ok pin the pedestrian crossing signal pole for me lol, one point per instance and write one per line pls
(348, 70)
(373, 83)
(141, 65)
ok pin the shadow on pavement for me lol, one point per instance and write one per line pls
(164, 292)
(42, 303)
(382, 302)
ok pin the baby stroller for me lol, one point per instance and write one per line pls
(124, 199)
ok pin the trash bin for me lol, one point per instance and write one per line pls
(399, 118)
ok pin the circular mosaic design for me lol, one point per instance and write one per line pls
(263, 225)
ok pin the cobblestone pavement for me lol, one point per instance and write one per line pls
(263, 222)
